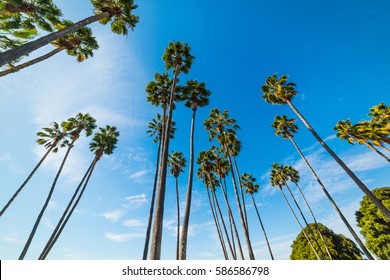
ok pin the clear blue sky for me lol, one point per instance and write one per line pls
(337, 52)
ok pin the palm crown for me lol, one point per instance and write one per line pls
(177, 162)
(81, 122)
(195, 94)
(284, 127)
(104, 142)
(278, 91)
(248, 182)
(177, 54)
(53, 137)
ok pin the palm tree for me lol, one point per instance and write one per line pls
(286, 128)
(380, 125)
(176, 56)
(211, 182)
(278, 91)
(116, 12)
(278, 178)
(248, 182)
(103, 142)
(80, 44)
(52, 138)
(177, 162)
(357, 133)
(195, 95)
(74, 126)
(222, 127)
(294, 177)
(155, 129)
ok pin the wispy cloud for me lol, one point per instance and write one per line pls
(5, 157)
(133, 223)
(138, 174)
(122, 237)
(114, 215)
(135, 200)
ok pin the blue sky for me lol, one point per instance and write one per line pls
(336, 53)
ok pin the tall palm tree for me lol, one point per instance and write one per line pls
(177, 162)
(195, 95)
(294, 177)
(356, 133)
(103, 142)
(80, 44)
(116, 12)
(156, 130)
(248, 182)
(278, 179)
(211, 182)
(286, 128)
(52, 138)
(74, 126)
(222, 127)
(380, 125)
(279, 91)
(177, 56)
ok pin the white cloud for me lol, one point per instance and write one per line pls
(141, 198)
(5, 157)
(138, 174)
(123, 237)
(133, 223)
(113, 216)
(12, 238)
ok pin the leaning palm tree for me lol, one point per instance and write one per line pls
(177, 162)
(195, 95)
(278, 179)
(74, 126)
(80, 44)
(380, 125)
(52, 138)
(156, 130)
(286, 128)
(357, 133)
(279, 91)
(178, 57)
(103, 142)
(222, 127)
(116, 12)
(248, 182)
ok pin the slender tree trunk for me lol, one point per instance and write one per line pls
(244, 227)
(224, 192)
(31, 62)
(72, 209)
(384, 147)
(371, 146)
(178, 219)
(223, 224)
(262, 227)
(315, 221)
(360, 184)
(38, 220)
(303, 230)
(13, 54)
(223, 189)
(149, 227)
(217, 225)
(355, 236)
(28, 178)
(241, 192)
(155, 250)
(48, 245)
(187, 211)
(304, 219)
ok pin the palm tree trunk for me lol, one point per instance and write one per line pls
(360, 184)
(72, 209)
(304, 219)
(223, 188)
(384, 147)
(371, 146)
(178, 219)
(296, 218)
(149, 227)
(231, 217)
(48, 245)
(315, 221)
(28, 178)
(38, 220)
(13, 54)
(223, 224)
(31, 62)
(262, 227)
(187, 211)
(155, 250)
(244, 227)
(241, 191)
(217, 226)
(355, 236)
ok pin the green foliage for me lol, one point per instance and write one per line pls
(375, 226)
(340, 247)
